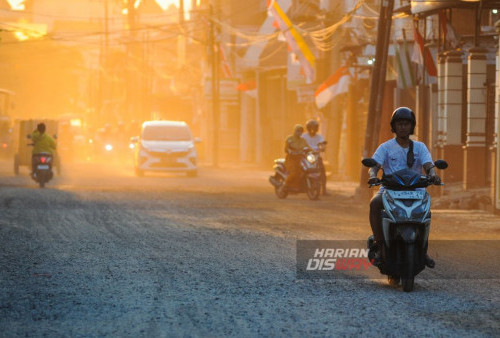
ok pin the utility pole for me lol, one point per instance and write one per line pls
(102, 62)
(106, 24)
(131, 99)
(181, 12)
(145, 72)
(215, 81)
(377, 85)
(131, 14)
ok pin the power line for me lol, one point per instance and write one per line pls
(86, 18)
(78, 38)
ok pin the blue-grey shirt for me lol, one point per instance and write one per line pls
(313, 141)
(392, 157)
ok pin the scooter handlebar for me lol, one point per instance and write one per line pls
(299, 152)
(429, 179)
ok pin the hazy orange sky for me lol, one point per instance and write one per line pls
(165, 3)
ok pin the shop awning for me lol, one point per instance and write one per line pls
(424, 6)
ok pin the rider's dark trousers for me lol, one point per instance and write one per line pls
(376, 206)
(292, 165)
(33, 162)
(322, 174)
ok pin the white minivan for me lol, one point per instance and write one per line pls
(165, 146)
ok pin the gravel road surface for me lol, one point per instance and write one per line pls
(102, 253)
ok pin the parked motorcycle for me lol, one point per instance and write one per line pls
(42, 168)
(406, 220)
(310, 175)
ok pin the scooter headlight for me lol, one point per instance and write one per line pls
(419, 212)
(389, 199)
(390, 202)
(426, 199)
(397, 212)
(311, 158)
(108, 147)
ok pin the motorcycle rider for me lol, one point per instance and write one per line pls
(42, 143)
(393, 155)
(314, 139)
(294, 146)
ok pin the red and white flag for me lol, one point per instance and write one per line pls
(225, 66)
(420, 52)
(336, 84)
(249, 87)
(295, 40)
(448, 31)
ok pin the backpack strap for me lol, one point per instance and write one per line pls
(410, 157)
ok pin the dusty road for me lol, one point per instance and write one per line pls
(102, 253)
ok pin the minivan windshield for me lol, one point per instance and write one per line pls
(166, 133)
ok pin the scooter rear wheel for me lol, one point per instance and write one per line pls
(280, 192)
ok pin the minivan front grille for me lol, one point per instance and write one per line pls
(164, 164)
(167, 156)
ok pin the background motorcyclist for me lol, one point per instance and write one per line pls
(294, 148)
(314, 140)
(396, 154)
(42, 143)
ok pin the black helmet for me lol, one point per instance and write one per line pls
(312, 125)
(41, 128)
(403, 113)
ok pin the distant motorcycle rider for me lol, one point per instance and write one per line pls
(42, 143)
(396, 154)
(294, 147)
(314, 140)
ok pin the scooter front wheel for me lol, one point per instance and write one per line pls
(313, 189)
(408, 279)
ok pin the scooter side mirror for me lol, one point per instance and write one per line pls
(369, 162)
(441, 164)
